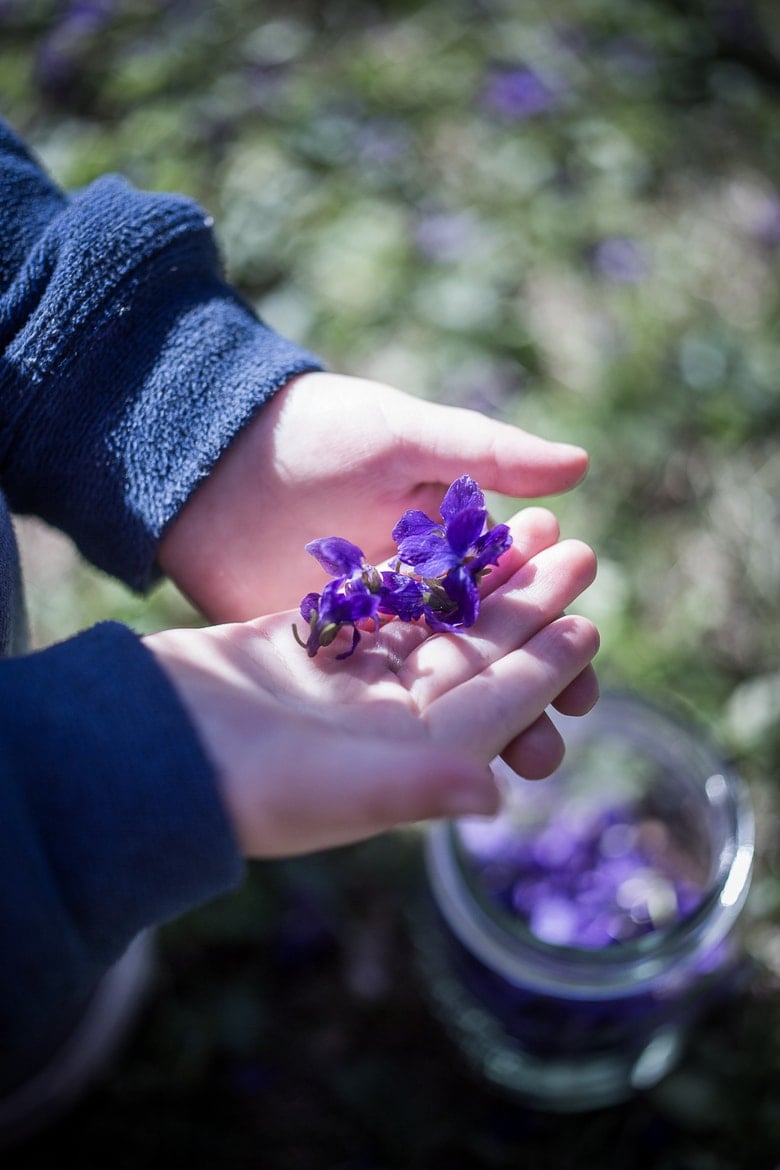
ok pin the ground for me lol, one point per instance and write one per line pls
(564, 214)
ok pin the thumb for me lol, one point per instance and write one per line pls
(501, 457)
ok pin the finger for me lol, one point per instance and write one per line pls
(533, 530)
(325, 796)
(537, 751)
(580, 695)
(538, 592)
(501, 457)
(486, 712)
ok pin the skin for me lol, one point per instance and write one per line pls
(312, 753)
(333, 455)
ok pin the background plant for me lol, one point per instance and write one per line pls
(568, 215)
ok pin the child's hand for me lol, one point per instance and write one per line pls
(316, 752)
(335, 455)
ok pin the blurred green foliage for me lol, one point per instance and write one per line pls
(566, 214)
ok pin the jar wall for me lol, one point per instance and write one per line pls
(575, 1026)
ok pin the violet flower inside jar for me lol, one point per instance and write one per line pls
(570, 943)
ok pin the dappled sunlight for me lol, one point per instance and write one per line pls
(566, 216)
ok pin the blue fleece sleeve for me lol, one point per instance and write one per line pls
(127, 363)
(111, 822)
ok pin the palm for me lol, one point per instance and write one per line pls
(403, 684)
(316, 751)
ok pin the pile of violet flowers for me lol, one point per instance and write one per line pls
(591, 875)
(434, 576)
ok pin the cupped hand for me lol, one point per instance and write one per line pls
(333, 455)
(316, 752)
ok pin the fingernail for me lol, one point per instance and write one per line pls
(475, 800)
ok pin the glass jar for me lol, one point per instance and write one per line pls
(569, 943)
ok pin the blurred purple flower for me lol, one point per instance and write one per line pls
(578, 882)
(518, 93)
(57, 60)
(382, 142)
(266, 82)
(765, 225)
(620, 259)
(444, 235)
(555, 919)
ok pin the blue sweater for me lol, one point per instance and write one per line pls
(127, 365)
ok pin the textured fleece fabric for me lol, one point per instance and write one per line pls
(127, 365)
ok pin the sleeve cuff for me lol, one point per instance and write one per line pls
(118, 795)
(130, 374)
(111, 824)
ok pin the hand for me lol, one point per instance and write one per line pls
(338, 456)
(316, 752)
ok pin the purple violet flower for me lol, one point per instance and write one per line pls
(587, 880)
(457, 550)
(338, 605)
(352, 597)
(446, 562)
(402, 596)
(433, 548)
(462, 607)
(338, 557)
